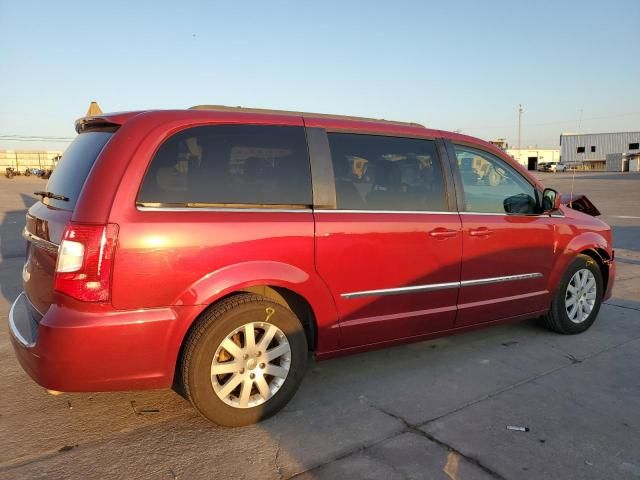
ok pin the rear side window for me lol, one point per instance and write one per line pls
(73, 168)
(386, 173)
(230, 164)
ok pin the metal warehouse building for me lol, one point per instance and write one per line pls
(591, 149)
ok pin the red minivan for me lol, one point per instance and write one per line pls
(212, 249)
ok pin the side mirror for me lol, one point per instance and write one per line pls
(550, 200)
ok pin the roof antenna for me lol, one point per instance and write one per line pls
(573, 177)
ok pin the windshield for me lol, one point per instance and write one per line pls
(74, 167)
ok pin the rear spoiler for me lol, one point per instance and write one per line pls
(95, 123)
(579, 202)
(107, 122)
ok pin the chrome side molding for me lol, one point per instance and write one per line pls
(509, 278)
(441, 286)
(398, 291)
(142, 208)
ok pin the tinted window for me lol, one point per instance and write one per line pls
(386, 173)
(73, 168)
(491, 185)
(231, 164)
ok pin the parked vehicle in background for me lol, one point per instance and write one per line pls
(215, 248)
(11, 172)
(552, 167)
(38, 172)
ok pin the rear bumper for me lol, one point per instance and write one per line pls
(99, 350)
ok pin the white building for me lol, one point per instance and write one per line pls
(530, 158)
(591, 149)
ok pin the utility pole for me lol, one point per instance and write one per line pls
(520, 110)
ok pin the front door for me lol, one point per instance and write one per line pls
(508, 247)
(390, 252)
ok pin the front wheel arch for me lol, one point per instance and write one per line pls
(602, 259)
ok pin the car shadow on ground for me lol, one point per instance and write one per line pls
(12, 246)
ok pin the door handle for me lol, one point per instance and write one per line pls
(442, 233)
(480, 232)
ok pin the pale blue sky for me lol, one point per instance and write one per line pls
(451, 65)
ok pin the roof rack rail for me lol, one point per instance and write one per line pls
(225, 108)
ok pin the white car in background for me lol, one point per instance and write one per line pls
(554, 167)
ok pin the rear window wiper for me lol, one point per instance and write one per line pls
(55, 196)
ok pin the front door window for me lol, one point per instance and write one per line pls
(492, 186)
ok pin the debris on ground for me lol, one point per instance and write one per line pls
(66, 448)
(517, 428)
(142, 411)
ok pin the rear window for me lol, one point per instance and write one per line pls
(74, 167)
(230, 165)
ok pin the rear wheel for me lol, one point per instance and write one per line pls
(243, 360)
(577, 301)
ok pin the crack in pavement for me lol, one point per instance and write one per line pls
(347, 454)
(416, 430)
(276, 465)
(407, 428)
(621, 306)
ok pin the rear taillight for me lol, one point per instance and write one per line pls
(85, 260)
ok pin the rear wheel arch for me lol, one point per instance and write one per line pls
(294, 302)
(288, 298)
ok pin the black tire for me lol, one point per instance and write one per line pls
(558, 319)
(211, 329)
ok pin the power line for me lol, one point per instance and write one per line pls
(558, 122)
(35, 138)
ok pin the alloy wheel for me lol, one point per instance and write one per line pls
(250, 365)
(580, 297)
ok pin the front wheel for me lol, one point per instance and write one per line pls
(243, 360)
(577, 301)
